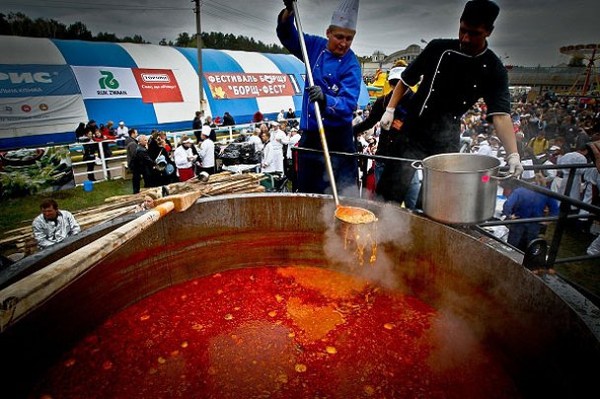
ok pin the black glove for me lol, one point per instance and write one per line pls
(288, 5)
(315, 93)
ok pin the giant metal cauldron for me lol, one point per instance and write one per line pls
(548, 346)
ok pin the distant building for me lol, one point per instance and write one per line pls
(560, 80)
(408, 54)
(380, 61)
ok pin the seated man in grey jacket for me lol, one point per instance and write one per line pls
(53, 225)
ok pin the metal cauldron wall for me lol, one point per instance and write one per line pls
(548, 347)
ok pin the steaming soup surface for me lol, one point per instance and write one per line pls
(273, 332)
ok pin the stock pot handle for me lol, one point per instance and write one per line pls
(417, 164)
(502, 177)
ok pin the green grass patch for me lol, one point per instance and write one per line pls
(18, 212)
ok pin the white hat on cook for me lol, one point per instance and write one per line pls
(346, 14)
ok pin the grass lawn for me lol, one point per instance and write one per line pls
(18, 212)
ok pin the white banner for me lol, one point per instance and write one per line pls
(106, 83)
(26, 116)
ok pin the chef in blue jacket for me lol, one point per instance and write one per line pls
(337, 76)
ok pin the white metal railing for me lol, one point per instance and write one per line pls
(226, 133)
(100, 159)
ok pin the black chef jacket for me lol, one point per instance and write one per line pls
(452, 83)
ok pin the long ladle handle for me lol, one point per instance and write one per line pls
(311, 82)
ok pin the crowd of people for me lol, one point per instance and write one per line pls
(158, 162)
(98, 142)
(549, 130)
(153, 160)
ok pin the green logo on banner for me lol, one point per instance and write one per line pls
(108, 80)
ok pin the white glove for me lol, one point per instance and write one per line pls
(514, 164)
(387, 118)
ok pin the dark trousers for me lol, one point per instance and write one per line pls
(290, 172)
(397, 177)
(313, 177)
(136, 181)
(520, 235)
(312, 173)
(90, 166)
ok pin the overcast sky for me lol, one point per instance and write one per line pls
(528, 32)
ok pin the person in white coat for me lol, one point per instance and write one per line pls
(122, 131)
(277, 138)
(268, 154)
(281, 116)
(184, 159)
(207, 151)
(291, 141)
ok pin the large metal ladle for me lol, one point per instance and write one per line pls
(347, 214)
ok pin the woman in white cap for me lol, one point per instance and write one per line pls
(337, 77)
(185, 158)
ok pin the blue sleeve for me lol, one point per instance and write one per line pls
(288, 36)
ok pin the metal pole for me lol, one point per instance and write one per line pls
(103, 160)
(590, 68)
(199, 46)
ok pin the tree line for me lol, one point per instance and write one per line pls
(19, 24)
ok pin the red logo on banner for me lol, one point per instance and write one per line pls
(249, 85)
(157, 85)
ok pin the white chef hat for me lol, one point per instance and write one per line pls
(346, 14)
